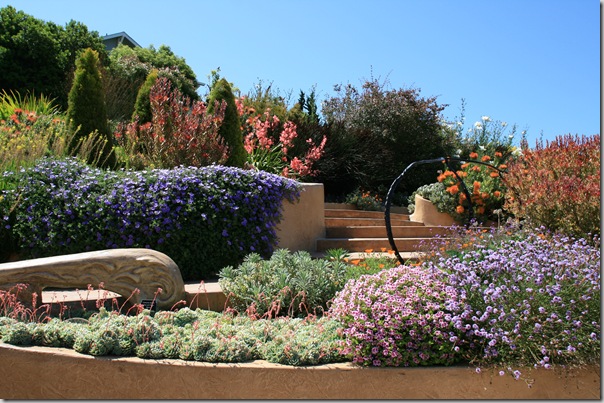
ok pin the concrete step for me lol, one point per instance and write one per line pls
(345, 213)
(360, 221)
(362, 244)
(380, 231)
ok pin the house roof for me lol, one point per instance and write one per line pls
(121, 37)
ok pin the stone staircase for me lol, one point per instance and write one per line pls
(358, 231)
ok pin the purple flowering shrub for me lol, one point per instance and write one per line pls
(203, 218)
(508, 297)
(527, 298)
(398, 317)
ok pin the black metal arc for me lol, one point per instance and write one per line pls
(396, 182)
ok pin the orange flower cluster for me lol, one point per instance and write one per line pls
(486, 191)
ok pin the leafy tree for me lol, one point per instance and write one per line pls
(375, 133)
(86, 112)
(38, 56)
(129, 67)
(230, 130)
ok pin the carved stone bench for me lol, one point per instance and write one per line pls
(119, 270)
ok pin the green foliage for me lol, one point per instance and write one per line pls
(365, 200)
(26, 137)
(230, 130)
(436, 192)
(128, 69)
(399, 126)
(19, 334)
(290, 284)
(142, 106)
(12, 102)
(169, 65)
(262, 98)
(204, 336)
(86, 113)
(38, 56)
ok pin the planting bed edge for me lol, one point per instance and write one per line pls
(58, 373)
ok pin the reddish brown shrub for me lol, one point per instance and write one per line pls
(181, 132)
(558, 185)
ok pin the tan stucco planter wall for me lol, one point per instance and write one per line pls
(428, 214)
(55, 373)
(304, 221)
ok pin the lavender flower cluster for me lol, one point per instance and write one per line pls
(526, 298)
(532, 300)
(204, 218)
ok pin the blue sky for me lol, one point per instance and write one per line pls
(533, 63)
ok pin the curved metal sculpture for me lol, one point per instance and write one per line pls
(119, 270)
(397, 181)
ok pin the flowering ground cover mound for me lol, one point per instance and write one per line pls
(507, 297)
(203, 218)
(398, 317)
(526, 297)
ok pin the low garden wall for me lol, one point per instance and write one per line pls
(57, 373)
(304, 221)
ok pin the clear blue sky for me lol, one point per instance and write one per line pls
(533, 63)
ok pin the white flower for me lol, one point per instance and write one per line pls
(504, 124)
(478, 125)
(486, 119)
(482, 148)
(523, 132)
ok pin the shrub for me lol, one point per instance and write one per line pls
(436, 192)
(142, 105)
(180, 132)
(484, 183)
(27, 136)
(230, 129)
(558, 185)
(527, 297)
(290, 284)
(11, 102)
(203, 218)
(364, 200)
(86, 112)
(274, 145)
(397, 125)
(398, 317)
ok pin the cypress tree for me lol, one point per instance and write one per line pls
(142, 106)
(230, 130)
(86, 112)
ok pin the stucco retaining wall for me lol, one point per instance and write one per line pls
(304, 221)
(56, 373)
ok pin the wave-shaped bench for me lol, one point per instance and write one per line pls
(119, 270)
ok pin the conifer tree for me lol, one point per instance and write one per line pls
(142, 107)
(230, 130)
(86, 111)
